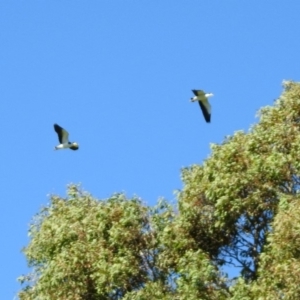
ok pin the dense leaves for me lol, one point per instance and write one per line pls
(240, 208)
(233, 198)
(82, 248)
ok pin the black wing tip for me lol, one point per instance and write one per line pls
(59, 131)
(206, 117)
(57, 127)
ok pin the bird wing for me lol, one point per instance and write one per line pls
(198, 93)
(206, 109)
(63, 135)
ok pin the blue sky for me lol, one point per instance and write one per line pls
(118, 76)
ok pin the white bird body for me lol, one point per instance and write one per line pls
(63, 137)
(202, 98)
(65, 146)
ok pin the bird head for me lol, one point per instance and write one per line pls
(74, 146)
(209, 95)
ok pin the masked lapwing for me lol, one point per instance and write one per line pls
(63, 137)
(202, 98)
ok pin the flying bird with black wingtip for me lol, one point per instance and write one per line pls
(202, 98)
(63, 137)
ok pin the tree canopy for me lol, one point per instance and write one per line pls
(239, 208)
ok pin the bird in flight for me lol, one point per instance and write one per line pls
(63, 137)
(202, 98)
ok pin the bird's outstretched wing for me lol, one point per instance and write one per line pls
(63, 135)
(206, 109)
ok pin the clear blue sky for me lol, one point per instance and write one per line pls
(118, 76)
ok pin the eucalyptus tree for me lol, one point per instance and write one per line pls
(240, 208)
(229, 202)
(85, 248)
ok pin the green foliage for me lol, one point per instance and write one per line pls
(232, 199)
(88, 247)
(82, 248)
(240, 208)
